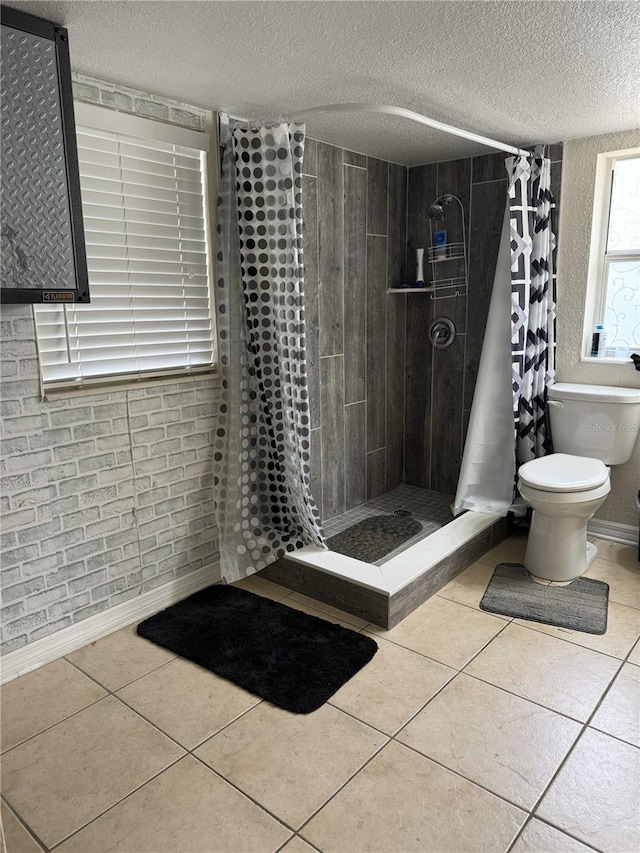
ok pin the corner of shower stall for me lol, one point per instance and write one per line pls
(386, 591)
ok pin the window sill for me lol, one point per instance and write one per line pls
(591, 360)
(113, 385)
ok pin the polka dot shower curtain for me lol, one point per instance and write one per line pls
(262, 447)
(533, 300)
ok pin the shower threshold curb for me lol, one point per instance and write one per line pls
(386, 594)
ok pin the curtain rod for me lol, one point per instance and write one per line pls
(412, 116)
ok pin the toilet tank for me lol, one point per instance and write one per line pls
(594, 420)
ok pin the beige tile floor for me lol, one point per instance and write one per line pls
(466, 732)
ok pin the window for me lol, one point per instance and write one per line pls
(143, 186)
(614, 270)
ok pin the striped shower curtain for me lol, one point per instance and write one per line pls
(533, 301)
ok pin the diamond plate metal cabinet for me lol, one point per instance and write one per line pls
(42, 247)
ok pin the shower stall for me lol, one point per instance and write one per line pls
(350, 388)
(389, 411)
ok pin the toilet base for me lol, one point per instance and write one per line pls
(544, 582)
(557, 549)
(592, 553)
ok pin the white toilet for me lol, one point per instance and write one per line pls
(592, 426)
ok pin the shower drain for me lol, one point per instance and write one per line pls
(403, 513)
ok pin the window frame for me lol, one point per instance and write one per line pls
(599, 258)
(104, 118)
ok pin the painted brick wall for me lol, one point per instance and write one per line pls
(128, 100)
(104, 495)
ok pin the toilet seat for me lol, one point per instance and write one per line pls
(561, 472)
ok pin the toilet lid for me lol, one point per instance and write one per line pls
(560, 472)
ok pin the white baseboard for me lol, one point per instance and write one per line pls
(69, 639)
(625, 533)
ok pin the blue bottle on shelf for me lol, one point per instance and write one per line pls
(440, 243)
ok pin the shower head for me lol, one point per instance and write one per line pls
(435, 211)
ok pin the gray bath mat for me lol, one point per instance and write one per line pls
(375, 537)
(581, 606)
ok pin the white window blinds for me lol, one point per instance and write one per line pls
(146, 230)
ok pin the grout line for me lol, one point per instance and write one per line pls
(343, 786)
(457, 773)
(563, 763)
(433, 351)
(247, 796)
(127, 683)
(342, 497)
(348, 150)
(490, 181)
(365, 445)
(115, 695)
(404, 273)
(594, 728)
(23, 824)
(635, 646)
(519, 696)
(454, 673)
(521, 624)
(285, 843)
(435, 660)
(563, 831)
(440, 594)
(527, 699)
(186, 751)
(53, 725)
(385, 346)
(467, 262)
(117, 803)
(345, 353)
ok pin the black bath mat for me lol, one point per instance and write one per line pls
(374, 537)
(293, 660)
(581, 606)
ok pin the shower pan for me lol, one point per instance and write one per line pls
(385, 594)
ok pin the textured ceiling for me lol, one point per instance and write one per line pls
(522, 71)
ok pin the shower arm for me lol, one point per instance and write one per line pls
(388, 109)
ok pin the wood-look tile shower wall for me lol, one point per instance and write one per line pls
(354, 248)
(440, 383)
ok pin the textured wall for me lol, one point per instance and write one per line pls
(462, 61)
(578, 184)
(354, 243)
(440, 383)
